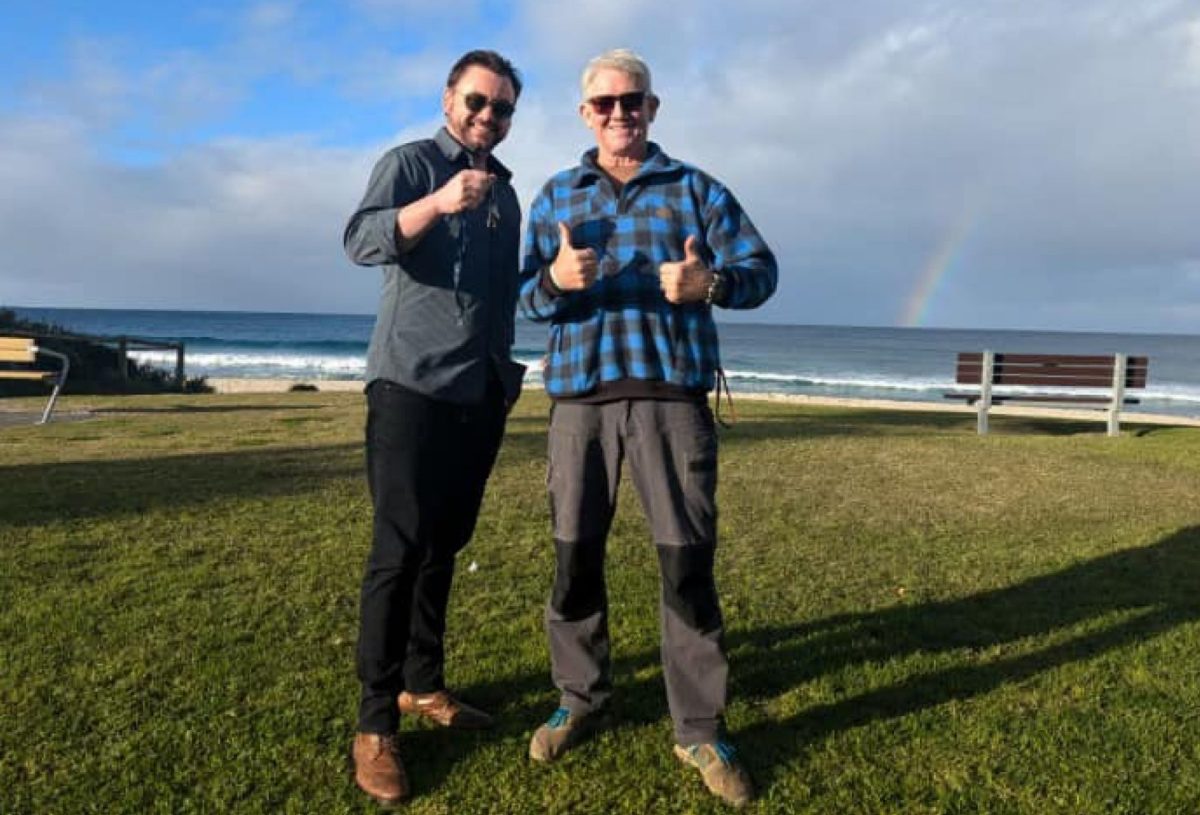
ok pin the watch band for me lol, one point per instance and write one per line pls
(716, 290)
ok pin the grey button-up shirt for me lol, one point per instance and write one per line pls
(447, 307)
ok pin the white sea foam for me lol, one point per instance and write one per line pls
(204, 363)
(256, 365)
(282, 365)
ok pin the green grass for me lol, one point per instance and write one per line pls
(919, 620)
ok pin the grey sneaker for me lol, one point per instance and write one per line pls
(562, 731)
(719, 767)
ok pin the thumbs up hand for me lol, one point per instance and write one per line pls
(685, 281)
(573, 269)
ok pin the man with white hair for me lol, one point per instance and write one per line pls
(626, 257)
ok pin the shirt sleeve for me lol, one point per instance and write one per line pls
(537, 298)
(370, 236)
(739, 252)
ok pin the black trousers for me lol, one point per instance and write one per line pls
(427, 465)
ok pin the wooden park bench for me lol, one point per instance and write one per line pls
(19, 357)
(1051, 380)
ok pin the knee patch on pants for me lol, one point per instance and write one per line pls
(578, 579)
(688, 586)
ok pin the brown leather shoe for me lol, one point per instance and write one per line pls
(377, 768)
(444, 710)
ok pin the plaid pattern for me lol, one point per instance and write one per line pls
(622, 327)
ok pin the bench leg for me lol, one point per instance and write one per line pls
(985, 392)
(59, 381)
(1118, 394)
(50, 405)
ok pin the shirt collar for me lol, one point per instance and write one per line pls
(656, 161)
(454, 152)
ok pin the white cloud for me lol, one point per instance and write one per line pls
(379, 73)
(229, 225)
(1188, 39)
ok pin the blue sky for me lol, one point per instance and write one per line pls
(998, 163)
(234, 69)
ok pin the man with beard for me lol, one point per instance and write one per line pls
(441, 219)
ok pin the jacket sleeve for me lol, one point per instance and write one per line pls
(739, 252)
(537, 299)
(370, 236)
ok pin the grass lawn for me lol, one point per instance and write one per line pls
(919, 620)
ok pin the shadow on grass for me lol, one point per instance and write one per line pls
(46, 492)
(1082, 612)
(206, 408)
(1148, 590)
(40, 493)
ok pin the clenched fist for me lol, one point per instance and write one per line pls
(466, 190)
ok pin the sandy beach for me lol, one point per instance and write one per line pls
(223, 385)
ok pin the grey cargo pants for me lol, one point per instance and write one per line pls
(671, 448)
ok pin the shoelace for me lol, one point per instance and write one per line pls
(559, 717)
(723, 749)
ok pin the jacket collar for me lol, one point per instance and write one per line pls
(656, 161)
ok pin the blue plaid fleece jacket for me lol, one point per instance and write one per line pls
(622, 326)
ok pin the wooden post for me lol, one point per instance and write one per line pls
(179, 366)
(985, 392)
(123, 357)
(1118, 395)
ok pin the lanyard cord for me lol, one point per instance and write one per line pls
(458, 263)
(723, 383)
(462, 218)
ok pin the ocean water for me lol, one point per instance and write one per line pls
(907, 364)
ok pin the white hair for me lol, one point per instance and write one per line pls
(620, 59)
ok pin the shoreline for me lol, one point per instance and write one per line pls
(225, 385)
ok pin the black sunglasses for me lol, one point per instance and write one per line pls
(501, 108)
(629, 102)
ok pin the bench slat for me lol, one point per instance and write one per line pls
(971, 377)
(1089, 381)
(1042, 398)
(1064, 365)
(28, 374)
(1054, 370)
(1074, 359)
(16, 349)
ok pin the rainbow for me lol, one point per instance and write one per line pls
(938, 264)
